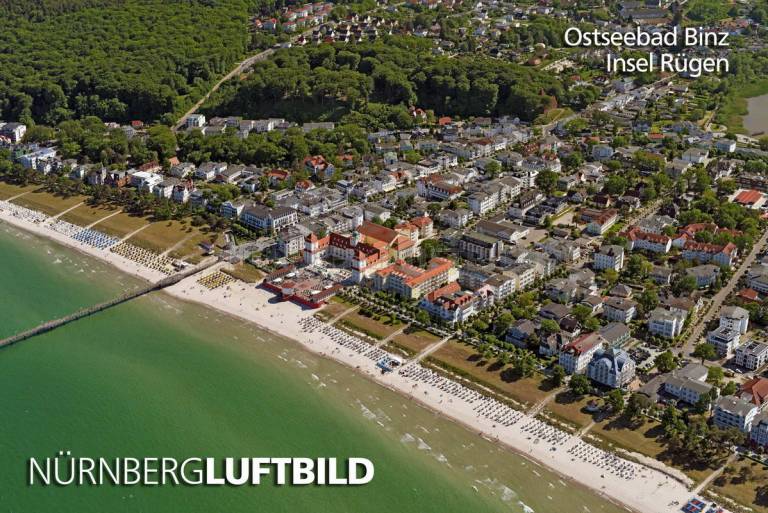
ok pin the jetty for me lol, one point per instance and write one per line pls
(100, 307)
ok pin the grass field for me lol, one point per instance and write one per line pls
(415, 340)
(336, 306)
(190, 249)
(121, 225)
(647, 438)
(8, 190)
(369, 326)
(399, 350)
(741, 483)
(465, 359)
(245, 272)
(85, 215)
(162, 235)
(48, 203)
(571, 409)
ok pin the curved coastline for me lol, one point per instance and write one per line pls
(657, 493)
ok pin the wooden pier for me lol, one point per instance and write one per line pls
(86, 312)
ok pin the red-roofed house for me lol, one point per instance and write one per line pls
(721, 255)
(413, 282)
(576, 355)
(749, 198)
(425, 226)
(449, 303)
(755, 391)
(638, 239)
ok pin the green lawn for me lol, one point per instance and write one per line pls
(85, 215)
(741, 481)
(121, 225)
(8, 190)
(463, 358)
(48, 203)
(378, 329)
(162, 235)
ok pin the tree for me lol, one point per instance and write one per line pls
(705, 351)
(162, 140)
(638, 266)
(558, 375)
(548, 326)
(580, 385)
(616, 185)
(665, 362)
(581, 313)
(729, 388)
(636, 405)
(615, 399)
(492, 169)
(683, 284)
(592, 324)
(422, 316)
(523, 363)
(610, 276)
(648, 300)
(715, 375)
(546, 181)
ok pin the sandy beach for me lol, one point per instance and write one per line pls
(634, 485)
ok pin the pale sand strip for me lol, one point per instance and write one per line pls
(650, 491)
(43, 230)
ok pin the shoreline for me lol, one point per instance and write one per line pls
(651, 491)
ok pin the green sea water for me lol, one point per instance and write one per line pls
(158, 377)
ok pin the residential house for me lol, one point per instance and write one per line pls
(705, 275)
(576, 355)
(619, 309)
(609, 257)
(751, 355)
(449, 303)
(665, 323)
(735, 318)
(262, 217)
(611, 367)
(480, 248)
(733, 412)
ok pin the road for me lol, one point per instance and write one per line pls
(240, 68)
(723, 293)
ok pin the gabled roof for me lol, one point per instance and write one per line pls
(755, 390)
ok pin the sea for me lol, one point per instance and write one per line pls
(157, 377)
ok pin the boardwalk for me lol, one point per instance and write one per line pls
(85, 312)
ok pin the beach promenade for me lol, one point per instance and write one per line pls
(620, 480)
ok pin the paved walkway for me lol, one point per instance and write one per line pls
(342, 314)
(429, 350)
(391, 336)
(586, 429)
(134, 232)
(714, 475)
(102, 219)
(178, 244)
(536, 408)
(17, 196)
(67, 210)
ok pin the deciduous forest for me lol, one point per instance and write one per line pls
(117, 59)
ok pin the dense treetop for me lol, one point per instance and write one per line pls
(116, 59)
(363, 82)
